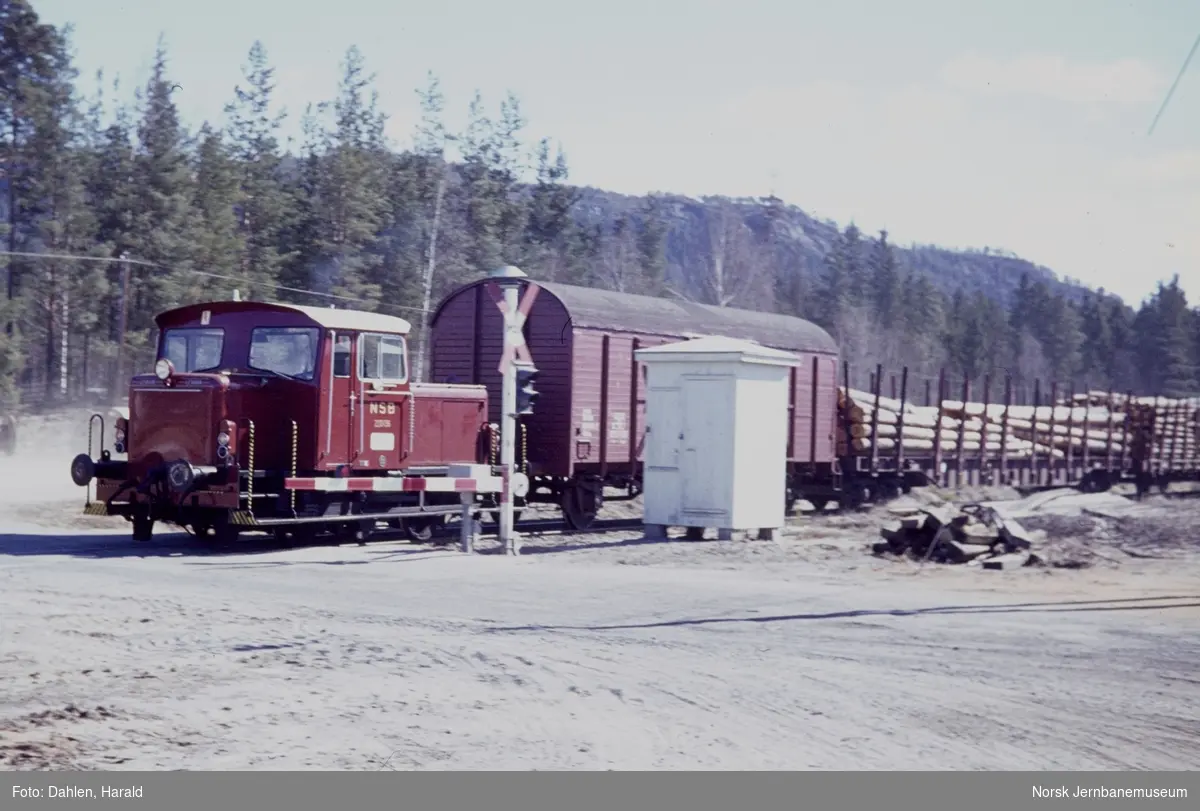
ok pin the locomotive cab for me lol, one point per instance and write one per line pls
(254, 410)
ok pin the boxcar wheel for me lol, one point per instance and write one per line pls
(579, 506)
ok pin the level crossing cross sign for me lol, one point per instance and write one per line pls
(514, 338)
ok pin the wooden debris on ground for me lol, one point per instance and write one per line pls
(973, 535)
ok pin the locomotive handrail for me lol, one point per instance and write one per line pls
(91, 421)
(250, 465)
(295, 455)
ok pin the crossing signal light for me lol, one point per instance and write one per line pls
(527, 395)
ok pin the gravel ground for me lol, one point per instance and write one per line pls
(590, 652)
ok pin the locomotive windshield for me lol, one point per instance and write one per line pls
(287, 351)
(193, 350)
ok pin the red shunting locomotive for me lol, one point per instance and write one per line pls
(291, 419)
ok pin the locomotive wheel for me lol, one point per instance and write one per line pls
(143, 527)
(495, 516)
(419, 530)
(579, 506)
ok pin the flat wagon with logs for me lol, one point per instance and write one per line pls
(1090, 441)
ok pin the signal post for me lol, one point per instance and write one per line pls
(515, 399)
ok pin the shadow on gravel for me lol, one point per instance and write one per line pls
(182, 545)
(1125, 604)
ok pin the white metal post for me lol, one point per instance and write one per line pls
(508, 424)
(509, 278)
(468, 530)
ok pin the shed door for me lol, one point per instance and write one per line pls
(705, 431)
(666, 431)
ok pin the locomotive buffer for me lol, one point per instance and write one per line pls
(514, 361)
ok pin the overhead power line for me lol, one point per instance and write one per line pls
(1174, 84)
(209, 274)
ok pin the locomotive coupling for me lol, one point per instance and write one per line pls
(183, 475)
(84, 469)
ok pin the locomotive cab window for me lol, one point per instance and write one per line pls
(287, 351)
(382, 358)
(192, 349)
(341, 356)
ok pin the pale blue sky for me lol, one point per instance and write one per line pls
(1017, 124)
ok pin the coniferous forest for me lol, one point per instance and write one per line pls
(114, 210)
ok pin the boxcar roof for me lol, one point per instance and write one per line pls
(604, 309)
(327, 317)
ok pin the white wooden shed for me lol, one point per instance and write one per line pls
(716, 436)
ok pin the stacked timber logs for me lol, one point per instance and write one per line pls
(918, 431)
(1095, 425)
(1165, 432)
(1062, 428)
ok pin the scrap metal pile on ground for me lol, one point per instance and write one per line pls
(1090, 430)
(977, 534)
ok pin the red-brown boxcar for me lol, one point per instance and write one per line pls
(586, 432)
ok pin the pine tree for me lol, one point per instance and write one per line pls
(352, 187)
(1061, 337)
(482, 191)
(652, 246)
(1099, 349)
(857, 275)
(220, 246)
(262, 206)
(550, 221)
(1172, 342)
(162, 228)
(885, 287)
(834, 296)
(29, 61)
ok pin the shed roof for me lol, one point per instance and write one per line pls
(648, 315)
(719, 347)
(327, 317)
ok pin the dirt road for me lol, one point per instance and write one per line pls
(599, 654)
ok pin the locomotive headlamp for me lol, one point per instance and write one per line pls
(163, 369)
(222, 438)
(120, 435)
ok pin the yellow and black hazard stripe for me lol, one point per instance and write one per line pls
(242, 518)
(95, 508)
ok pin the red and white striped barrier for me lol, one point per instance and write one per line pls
(396, 484)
